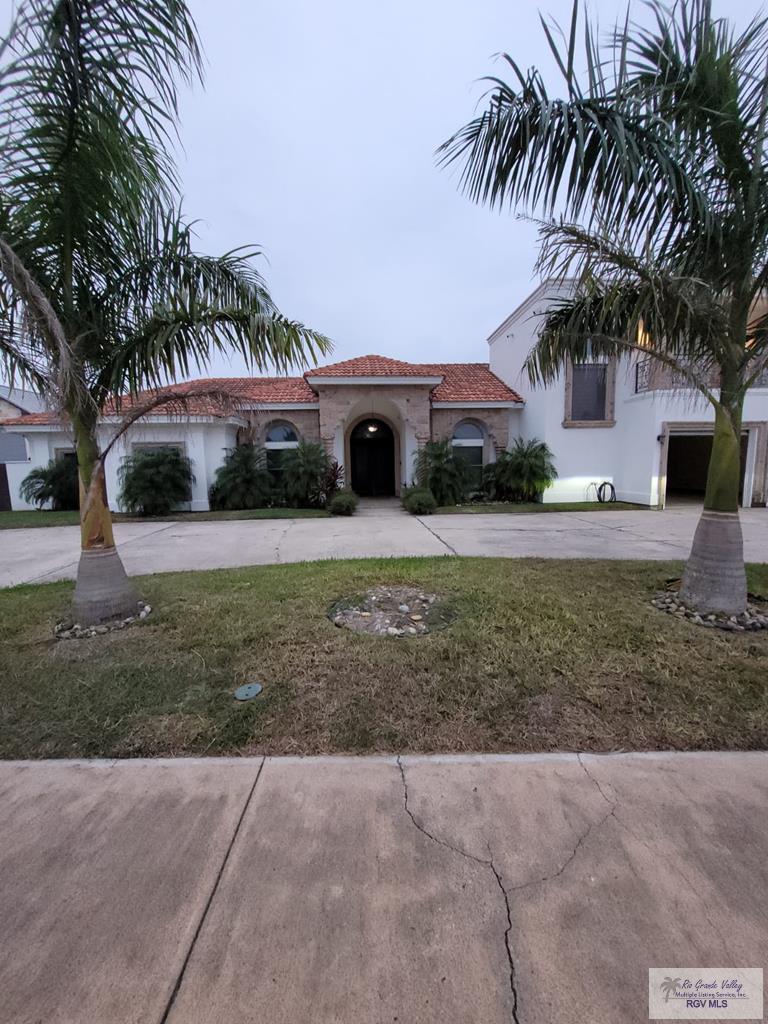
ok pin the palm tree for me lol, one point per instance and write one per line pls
(669, 986)
(655, 159)
(438, 469)
(525, 470)
(101, 291)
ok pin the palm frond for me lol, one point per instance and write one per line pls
(175, 402)
(176, 308)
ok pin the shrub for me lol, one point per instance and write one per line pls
(155, 481)
(419, 502)
(242, 480)
(57, 482)
(304, 470)
(523, 472)
(343, 503)
(440, 471)
(334, 480)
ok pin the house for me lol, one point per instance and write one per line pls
(371, 413)
(628, 422)
(14, 402)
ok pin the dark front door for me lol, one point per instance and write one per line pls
(372, 448)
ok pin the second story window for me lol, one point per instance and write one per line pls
(589, 391)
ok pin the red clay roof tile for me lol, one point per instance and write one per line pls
(462, 382)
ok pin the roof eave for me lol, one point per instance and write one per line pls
(370, 379)
(477, 404)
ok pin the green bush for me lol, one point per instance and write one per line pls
(242, 480)
(440, 471)
(419, 502)
(343, 503)
(155, 481)
(56, 483)
(304, 470)
(333, 481)
(522, 473)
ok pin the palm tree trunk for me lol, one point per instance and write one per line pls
(103, 590)
(714, 579)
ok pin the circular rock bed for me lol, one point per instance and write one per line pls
(74, 631)
(392, 612)
(754, 618)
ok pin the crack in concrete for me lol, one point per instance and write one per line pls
(281, 537)
(489, 863)
(655, 852)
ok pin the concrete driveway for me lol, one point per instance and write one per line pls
(535, 890)
(51, 553)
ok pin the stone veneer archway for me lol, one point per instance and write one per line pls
(404, 408)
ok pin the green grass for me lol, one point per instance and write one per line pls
(34, 518)
(514, 507)
(542, 655)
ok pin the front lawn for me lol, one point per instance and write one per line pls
(44, 517)
(37, 517)
(542, 655)
(541, 506)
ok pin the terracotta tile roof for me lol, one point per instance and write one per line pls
(243, 389)
(462, 382)
(370, 366)
(471, 382)
(31, 419)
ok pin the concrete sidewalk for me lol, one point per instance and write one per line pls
(39, 555)
(466, 890)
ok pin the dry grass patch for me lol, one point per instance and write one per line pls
(542, 655)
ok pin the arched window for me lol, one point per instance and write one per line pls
(280, 436)
(468, 444)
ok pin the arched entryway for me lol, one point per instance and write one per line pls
(372, 453)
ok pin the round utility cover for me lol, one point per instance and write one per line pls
(248, 691)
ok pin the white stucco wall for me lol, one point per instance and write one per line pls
(204, 443)
(584, 457)
(627, 454)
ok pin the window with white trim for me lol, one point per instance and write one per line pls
(280, 437)
(468, 443)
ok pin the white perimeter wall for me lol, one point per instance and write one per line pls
(204, 443)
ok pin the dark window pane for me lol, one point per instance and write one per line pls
(281, 432)
(588, 392)
(467, 432)
(275, 462)
(472, 455)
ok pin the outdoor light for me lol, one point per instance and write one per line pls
(372, 428)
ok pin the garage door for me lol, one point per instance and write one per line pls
(687, 462)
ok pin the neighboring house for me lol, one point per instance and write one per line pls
(626, 421)
(372, 414)
(13, 450)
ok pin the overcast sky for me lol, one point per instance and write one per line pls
(314, 137)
